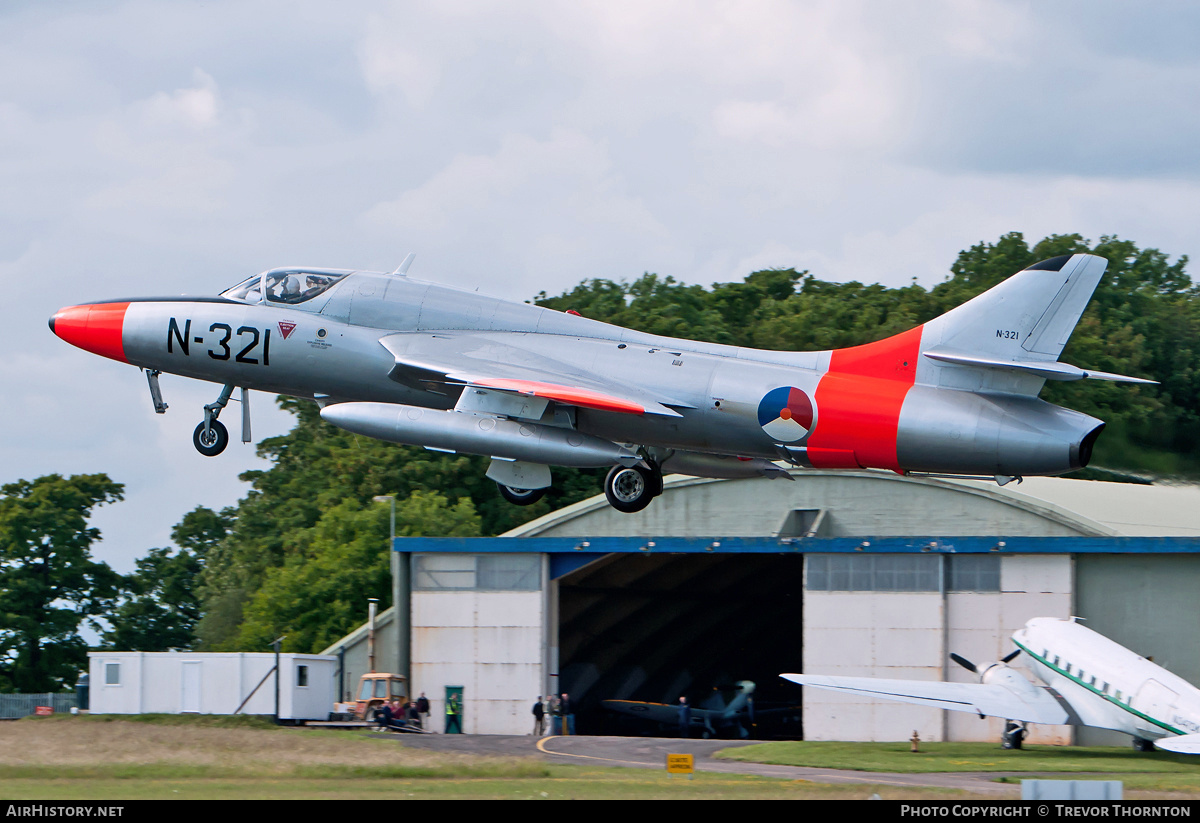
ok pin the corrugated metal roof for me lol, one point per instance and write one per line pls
(1132, 509)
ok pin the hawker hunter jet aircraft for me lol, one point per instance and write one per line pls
(398, 359)
(1089, 681)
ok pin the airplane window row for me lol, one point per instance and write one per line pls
(1080, 674)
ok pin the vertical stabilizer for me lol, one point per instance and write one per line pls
(1009, 338)
(1027, 317)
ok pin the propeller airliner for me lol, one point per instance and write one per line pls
(1087, 680)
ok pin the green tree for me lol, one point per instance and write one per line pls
(314, 468)
(162, 605)
(162, 609)
(320, 591)
(49, 583)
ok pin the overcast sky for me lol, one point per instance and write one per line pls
(151, 148)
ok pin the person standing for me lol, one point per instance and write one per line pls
(539, 717)
(568, 719)
(423, 709)
(685, 717)
(453, 715)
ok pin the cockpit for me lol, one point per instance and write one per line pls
(287, 286)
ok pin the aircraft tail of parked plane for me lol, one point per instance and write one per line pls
(398, 359)
(1087, 680)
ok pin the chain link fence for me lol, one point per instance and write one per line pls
(21, 705)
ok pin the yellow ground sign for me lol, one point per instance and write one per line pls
(680, 764)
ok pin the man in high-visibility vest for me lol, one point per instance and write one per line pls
(453, 716)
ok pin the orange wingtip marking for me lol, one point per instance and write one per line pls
(566, 394)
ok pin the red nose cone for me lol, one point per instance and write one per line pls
(94, 328)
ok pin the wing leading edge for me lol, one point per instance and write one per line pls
(981, 698)
(423, 360)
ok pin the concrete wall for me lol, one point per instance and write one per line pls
(491, 644)
(183, 682)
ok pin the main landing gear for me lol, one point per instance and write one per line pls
(630, 489)
(1014, 735)
(520, 497)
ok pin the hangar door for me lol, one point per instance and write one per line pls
(654, 627)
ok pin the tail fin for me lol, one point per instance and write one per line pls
(1009, 338)
(1027, 317)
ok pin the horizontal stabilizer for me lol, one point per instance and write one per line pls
(1049, 370)
(980, 698)
(1184, 744)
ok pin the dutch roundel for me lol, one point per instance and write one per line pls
(786, 414)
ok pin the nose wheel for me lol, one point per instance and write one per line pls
(210, 439)
(630, 489)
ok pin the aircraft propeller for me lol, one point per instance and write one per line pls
(971, 667)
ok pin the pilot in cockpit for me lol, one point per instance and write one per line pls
(291, 288)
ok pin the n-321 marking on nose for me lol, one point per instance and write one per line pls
(222, 350)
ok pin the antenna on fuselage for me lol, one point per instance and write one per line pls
(402, 269)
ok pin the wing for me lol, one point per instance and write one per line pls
(1036, 707)
(516, 364)
(1183, 744)
(656, 712)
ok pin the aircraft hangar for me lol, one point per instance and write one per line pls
(852, 573)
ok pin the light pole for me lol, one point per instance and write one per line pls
(401, 608)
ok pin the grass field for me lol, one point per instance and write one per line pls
(964, 757)
(1176, 774)
(173, 757)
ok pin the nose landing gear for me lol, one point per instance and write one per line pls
(211, 437)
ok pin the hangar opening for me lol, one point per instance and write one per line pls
(654, 627)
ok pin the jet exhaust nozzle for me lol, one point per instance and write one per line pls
(477, 434)
(961, 432)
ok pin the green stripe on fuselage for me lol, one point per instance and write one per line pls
(1097, 692)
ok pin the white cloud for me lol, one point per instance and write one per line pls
(196, 107)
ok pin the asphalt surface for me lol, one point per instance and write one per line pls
(651, 753)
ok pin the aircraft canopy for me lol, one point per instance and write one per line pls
(285, 285)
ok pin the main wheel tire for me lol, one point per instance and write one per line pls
(631, 489)
(520, 497)
(1141, 744)
(212, 442)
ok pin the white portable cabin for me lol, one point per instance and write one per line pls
(212, 683)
